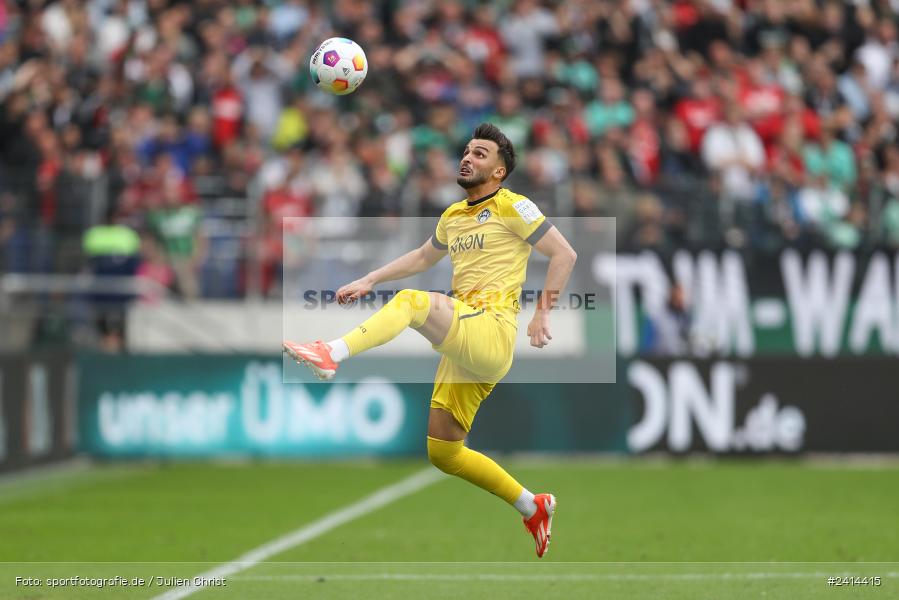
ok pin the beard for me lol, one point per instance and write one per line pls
(475, 179)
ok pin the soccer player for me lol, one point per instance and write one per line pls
(488, 236)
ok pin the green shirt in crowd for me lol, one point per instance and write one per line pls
(176, 229)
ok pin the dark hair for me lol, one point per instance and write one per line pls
(489, 131)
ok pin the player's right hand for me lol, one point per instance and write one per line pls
(355, 290)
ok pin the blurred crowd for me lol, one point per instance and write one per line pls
(180, 133)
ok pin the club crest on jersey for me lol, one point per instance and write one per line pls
(483, 215)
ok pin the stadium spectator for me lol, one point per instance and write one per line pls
(616, 196)
(854, 87)
(763, 101)
(525, 32)
(610, 110)
(831, 157)
(645, 145)
(668, 332)
(121, 106)
(878, 52)
(699, 110)
(176, 225)
(677, 162)
(260, 74)
(153, 270)
(436, 185)
(510, 119)
(292, 127)
(733, 151)
(482, 42)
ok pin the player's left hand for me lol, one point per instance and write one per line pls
(538, 329)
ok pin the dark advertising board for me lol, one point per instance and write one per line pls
(782, 405)
(38, 411)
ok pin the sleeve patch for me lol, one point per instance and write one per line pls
(527, 210)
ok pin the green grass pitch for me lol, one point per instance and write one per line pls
(628, 529)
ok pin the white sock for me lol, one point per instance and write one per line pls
(525, 504)
(339, 350)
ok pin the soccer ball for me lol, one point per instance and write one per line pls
(338, 66)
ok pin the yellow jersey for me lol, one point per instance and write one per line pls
(489, 241)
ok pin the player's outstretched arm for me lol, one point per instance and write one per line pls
(416, 261)
(561, 261)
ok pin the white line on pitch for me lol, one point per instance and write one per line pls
(537, 577)
(369, 504)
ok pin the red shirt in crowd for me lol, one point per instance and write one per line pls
(227, 113)
(764, 106)
(698, 115)
(47, 173)
(780, 158)
(282, 202)
(644, 150)
(484, 45)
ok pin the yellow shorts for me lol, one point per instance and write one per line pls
(477, 353)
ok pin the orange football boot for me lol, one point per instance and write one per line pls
(541, 522)
(316, 356)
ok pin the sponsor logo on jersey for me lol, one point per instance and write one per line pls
(467, 242)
